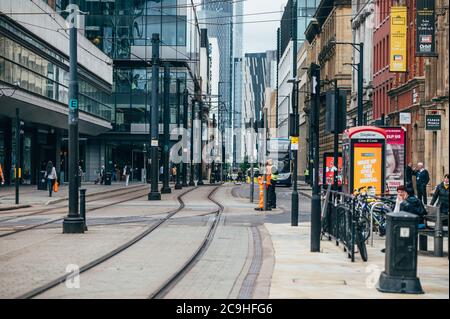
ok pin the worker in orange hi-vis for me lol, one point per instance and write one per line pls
(261, 193)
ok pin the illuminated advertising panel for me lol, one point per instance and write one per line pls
(328, 169)
(395, 158)
(398, 61)
(368, 166)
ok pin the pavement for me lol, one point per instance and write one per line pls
(29, 195)
(252, 255)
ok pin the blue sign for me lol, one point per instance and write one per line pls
(73, 104)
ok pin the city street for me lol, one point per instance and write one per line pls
(130, 131)
(248, 254)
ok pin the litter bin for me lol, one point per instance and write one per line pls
(400, 275)
(108, 178)
(42, 181)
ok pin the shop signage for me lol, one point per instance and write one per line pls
(433, 122)
(425, 35)
(398, 38)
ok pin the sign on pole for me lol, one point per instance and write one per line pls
(398, 39)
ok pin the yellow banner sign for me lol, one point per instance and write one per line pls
(398, 62)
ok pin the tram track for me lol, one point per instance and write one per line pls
(143, 193)
(162, 290)
(92, 198)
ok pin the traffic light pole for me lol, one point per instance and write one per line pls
(315, 202)
(166, 118)
(178, 177)
(154, 132)
(336, 135)
(73, 223)
(185, 126)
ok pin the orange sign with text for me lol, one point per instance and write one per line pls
(368, 169)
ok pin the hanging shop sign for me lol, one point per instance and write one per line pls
(425, 35)
(398, 38)
(433, 122)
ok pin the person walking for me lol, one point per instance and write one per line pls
(126, 172)
(441, 195)
(272, 176)
(422, 180)
(50, 174)
(2, 177)
(409, 178)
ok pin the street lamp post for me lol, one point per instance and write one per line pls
(178, 177)
(360, 68)
(154, 131)
(185, 126)
(73, 223)
(199, 165)
(166, 118)
(191, 177)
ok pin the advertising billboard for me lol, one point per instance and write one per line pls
(328, 169)
(398, 37)
(368, 166)
(425, 36)
(395, 158)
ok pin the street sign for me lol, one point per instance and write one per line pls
(405, 118)
(294, 143)
(73, 104)
(433, 122)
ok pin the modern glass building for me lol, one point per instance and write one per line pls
(34, 79)
(123, 29)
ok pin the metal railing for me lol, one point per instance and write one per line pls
(338, 220)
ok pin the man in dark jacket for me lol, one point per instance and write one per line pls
(442, 193)
(409, 178)
(422, 180)
(411, 204)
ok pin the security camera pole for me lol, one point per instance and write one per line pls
(73, 223)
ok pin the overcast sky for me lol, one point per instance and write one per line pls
(260, 37)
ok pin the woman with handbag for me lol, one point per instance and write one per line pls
(50, 174)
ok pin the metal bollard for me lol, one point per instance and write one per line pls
(83, 206)
(438, 236)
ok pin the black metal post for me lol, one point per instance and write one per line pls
(200, 165)
(185, 126)
(360, 84)
(154, 120)
(191, 176)
(83, 206)
(223, 146)
(166, 118)
(178, 177)
(294, 196)
(336, 136)
(17, 164)
(251, 158)
(315, 202)
(73, 223)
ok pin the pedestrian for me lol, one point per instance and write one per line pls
(80, 175)
(409, 177)
(441, 195)
(102, 175)
(422, 180)
(306, 173)
(126, 173)
(174, 174)
(50, 174)
(113, 176)
(2, 177)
